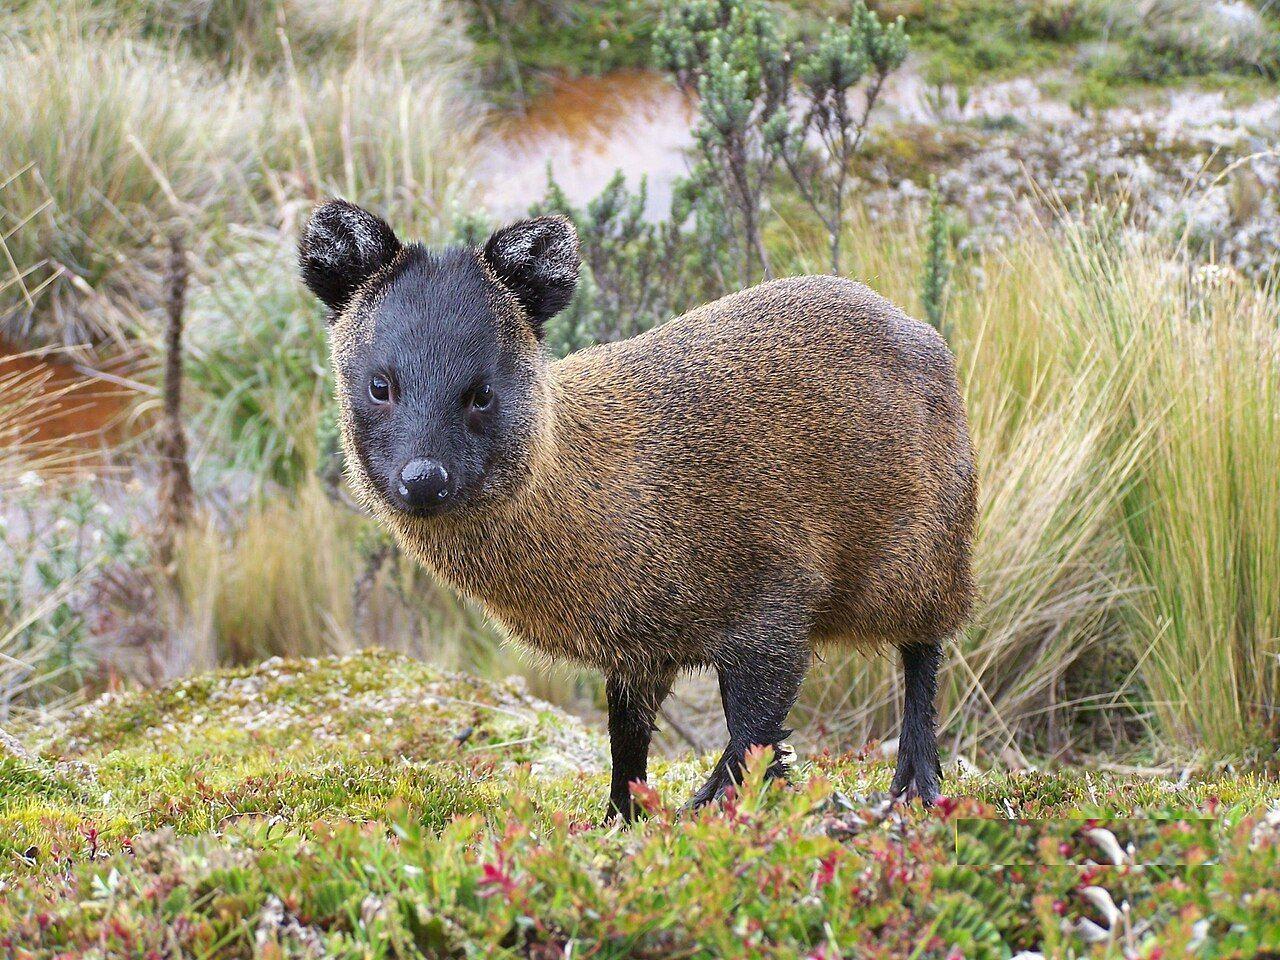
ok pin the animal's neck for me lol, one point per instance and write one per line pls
(513, 536)
(521, 557)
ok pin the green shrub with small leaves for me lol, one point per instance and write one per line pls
(54, 542)
(828, 72)
(734, 57)
(767, 102)
(637, 273)
(937, 262)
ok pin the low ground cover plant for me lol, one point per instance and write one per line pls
(1105, 276)
(267, 812)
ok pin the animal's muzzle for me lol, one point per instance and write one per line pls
(424, 486)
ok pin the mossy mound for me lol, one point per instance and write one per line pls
(290, 741)
(371, 806)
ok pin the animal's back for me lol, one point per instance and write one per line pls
(807, 430)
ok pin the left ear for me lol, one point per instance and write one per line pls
(537, 260)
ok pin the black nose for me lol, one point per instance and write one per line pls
(424, 484)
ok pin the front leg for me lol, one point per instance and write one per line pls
(633, 704)
(760, 677)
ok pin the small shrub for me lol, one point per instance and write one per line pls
(1095, 92)
(258, 361)
(732, 55)
(636, 274)
(54, 540)
(762, 97)
(937, 264)
(828, 71)
(1063, 21)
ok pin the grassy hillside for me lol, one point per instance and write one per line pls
(1110, 43)
(372, 807)
(1101, 257)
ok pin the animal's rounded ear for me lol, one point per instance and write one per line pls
(343, 246)
(538, 261)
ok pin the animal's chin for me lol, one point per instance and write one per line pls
(453, 506)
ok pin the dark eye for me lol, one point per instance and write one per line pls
(481, 397)
(379, 389)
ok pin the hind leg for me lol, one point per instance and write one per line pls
(918, 772)
(760, 678)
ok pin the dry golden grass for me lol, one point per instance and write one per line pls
(302, 575)
(1125, 410)
(118, 126)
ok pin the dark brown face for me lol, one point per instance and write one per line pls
(436, 356)
(439, 400)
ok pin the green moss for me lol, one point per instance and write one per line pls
(294, 741)
(373, 806)
(23, 780)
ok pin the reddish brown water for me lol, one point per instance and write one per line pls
(64, 404)
(587, 128)
(591, 109)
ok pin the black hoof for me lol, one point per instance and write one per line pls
(927, 798)
(713, 790)
(909, 784)
(722, 778)
(628, 812)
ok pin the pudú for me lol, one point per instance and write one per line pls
(787, 467)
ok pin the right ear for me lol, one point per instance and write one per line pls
(342, 246)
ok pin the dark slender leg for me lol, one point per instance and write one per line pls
(633, 704)
(758, 688)
(919, 773)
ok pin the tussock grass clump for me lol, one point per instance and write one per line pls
(102, 139)
(1124, 406)
(238, 33)
(280, 583)
(300, 574)
(112, 127)
(395, 138)
(1202, 518)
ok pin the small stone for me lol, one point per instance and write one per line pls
(10, 746)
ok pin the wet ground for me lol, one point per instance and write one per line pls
(80, 408)
(587, 129)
